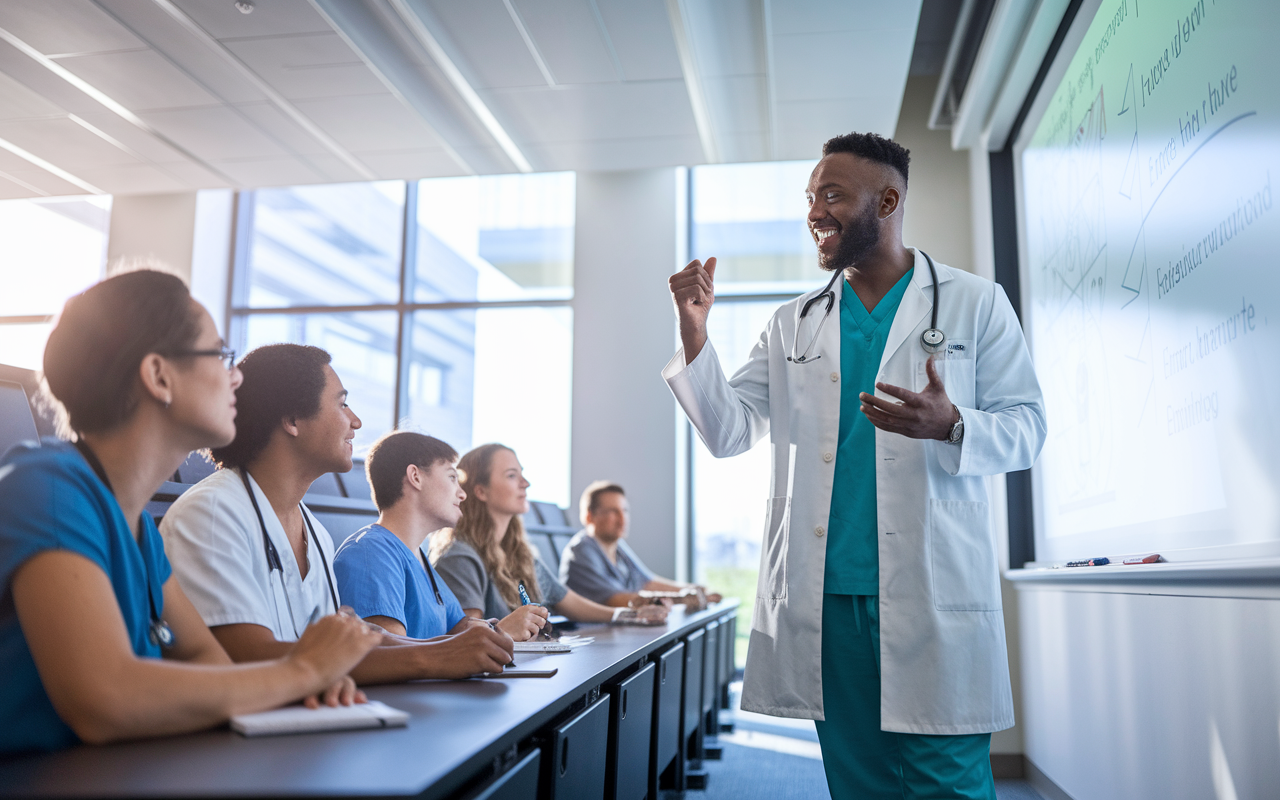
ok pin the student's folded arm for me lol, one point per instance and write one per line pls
(78, 639)
(475, 650)
(623, 599)
(390, 624)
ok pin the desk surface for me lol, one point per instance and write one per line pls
(456, 728)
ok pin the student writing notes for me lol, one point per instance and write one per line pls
(598, 564)
(257, 565)
(486, 556)
(99, 643)
(382, 569)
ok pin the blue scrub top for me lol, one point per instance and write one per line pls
(853, 558)
(50, 499)
(378, 575)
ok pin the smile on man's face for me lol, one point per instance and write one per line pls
(843, 217)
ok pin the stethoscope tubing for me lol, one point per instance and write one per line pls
(273, 556)
(829, 294)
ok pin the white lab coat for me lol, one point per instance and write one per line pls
(944, 669)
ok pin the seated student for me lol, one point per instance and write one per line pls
(486, 556)
(255, 562)
(600, 566)
(381, 569)
(97, 642)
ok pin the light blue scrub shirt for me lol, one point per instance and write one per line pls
(378, 575)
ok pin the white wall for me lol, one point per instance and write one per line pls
(624, 421)
(938, 218)
(1137, 697)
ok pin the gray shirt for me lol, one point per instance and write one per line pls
(587, 570)
(462, 569)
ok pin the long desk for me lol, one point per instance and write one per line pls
(459, 733)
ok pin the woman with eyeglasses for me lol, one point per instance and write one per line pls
(486, 558)
(98, 642)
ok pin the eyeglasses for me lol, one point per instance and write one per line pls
(225, 353)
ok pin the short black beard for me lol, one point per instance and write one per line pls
(857, 239)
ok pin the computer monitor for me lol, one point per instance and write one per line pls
(16, 421)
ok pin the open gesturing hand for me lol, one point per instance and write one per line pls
(920, 415)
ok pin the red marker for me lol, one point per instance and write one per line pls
(1151, 559)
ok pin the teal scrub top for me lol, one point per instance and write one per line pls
(853, 562)
(50, 499)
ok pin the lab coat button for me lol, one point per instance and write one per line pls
(819, 531)
(835, 376)
(827, 457)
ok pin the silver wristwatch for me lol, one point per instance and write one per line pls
(957, 430)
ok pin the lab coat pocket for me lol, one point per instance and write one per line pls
(962, 556)
(777, 528)
(955, 365)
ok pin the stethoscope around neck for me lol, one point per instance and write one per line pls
(158, 631)
(931, 340)
(274, 563)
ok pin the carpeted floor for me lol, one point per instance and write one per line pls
(753, 773)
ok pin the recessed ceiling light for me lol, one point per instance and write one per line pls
(244, 6)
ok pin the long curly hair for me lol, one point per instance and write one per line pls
(509, 562)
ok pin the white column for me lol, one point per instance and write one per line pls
(186, 233)
(624, 422)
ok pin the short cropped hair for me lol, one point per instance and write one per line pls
(590, 500)
(391, 455)
(281, 381)
(872, 147)
(93, 353)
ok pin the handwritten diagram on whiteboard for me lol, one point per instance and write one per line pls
(1152, 260)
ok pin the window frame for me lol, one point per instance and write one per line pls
(238, 310)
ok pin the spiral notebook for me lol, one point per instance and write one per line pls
(300, 719)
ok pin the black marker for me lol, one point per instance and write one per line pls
(1090, 562)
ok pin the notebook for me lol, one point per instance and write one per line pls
(300, 719)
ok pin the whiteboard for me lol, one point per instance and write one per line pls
(1148, 233)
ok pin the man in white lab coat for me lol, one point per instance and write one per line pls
(877, 610)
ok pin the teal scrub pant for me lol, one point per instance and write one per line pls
(863, 762)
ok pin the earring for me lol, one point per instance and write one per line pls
(166, 403)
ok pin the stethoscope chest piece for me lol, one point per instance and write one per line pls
(161, 634)
(932, 340)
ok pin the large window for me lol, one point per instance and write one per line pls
(751, 217)
(52, 248)
(443, 302)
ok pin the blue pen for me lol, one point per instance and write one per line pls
(524, 598)
(524, 595)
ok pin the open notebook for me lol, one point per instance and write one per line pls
(300, 719)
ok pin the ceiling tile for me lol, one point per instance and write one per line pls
(274, 122)
(614, 154)
(19, 102)
(61, 141)
(642, 38)
(196, 175)
(489, 47)
(135, 179)
(139, 80)
(825, 16)
(737, 104)
(410, 164)
(213, 133)
(737, 148)
(332, 168)
(269, 17)
(879, 62)
(308, 66)
(598, 111)
(271, 172)
(728, 37)
(28, 173)
(804, 126)
(569, 40)
(65, 26)
(370, 122)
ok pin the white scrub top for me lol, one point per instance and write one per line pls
(214, 542)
